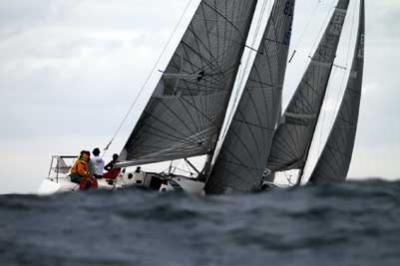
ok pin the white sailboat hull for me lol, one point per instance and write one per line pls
(63, 185)
(51, 186)
(184, 184)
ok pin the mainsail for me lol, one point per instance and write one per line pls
(186, 111)
(294, 135)
(241, 162)
(334, 163)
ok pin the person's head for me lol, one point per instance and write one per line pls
(96, 152)
(115, 157)
(85, 155)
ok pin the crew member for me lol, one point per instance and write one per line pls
(112, 171)
(97, 164)
(80, 172)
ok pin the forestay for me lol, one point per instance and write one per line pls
(293, 137)
(334, 163)
(186, 111)
(241, 162)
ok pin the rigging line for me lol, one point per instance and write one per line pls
(180, 168)
(148, 77)
(328, 16)
(300, 39)
(188, 169)
(168, 170)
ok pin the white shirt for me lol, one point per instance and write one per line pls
(98, 165)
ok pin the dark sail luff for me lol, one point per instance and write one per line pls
(241, 162)
(334, 162)
(293, 137)
(185, 113)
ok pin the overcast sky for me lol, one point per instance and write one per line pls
(69, 71)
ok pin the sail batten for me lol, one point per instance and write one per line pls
(241, 162)
(185, 113)
(295, 131)
(334, 162)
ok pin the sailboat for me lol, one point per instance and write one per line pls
(334, 162)
(294, 135)
(187, 111)
(296, 131)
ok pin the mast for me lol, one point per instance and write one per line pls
(186, 111)
(334, 162)
(293, 137)
(241, 162)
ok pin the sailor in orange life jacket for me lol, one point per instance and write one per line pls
(80, 172)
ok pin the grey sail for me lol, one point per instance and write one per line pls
(241, 162)
(185, 113)
(295, 132)
(334, 163)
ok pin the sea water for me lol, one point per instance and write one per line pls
(349, 224)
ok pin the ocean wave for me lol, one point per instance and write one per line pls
(356, 223)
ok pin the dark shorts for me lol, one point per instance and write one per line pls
(75, 178)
